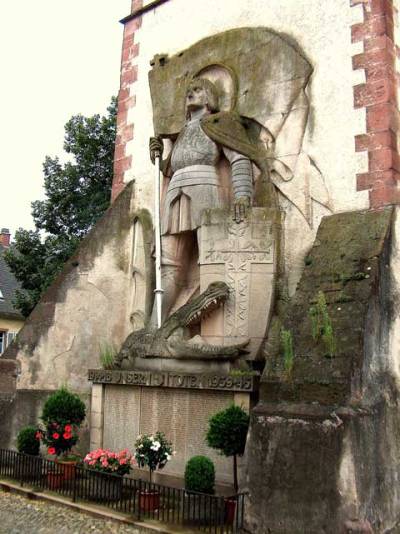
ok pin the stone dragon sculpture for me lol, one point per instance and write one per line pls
(171, 340)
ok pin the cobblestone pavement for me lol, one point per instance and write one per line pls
(18, 515)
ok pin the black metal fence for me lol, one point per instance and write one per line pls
(144, 500)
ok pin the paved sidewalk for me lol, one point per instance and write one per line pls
(19, 515)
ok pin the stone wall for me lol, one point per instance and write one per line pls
(86, 307)
(324, 438)
(321, 31)
(89, 305)
(127, 411)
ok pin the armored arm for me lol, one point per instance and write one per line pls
(242, 182)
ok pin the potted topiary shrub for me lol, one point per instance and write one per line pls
(152, 452)
(62, 415)
(200, 479)
(200, 475)
(227, 432)
(28, 444)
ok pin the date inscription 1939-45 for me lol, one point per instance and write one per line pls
(174, 380)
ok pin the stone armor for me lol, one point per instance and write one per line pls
(195, 184)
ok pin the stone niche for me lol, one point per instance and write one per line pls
(180, 408)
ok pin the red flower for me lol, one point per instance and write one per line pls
(68, 428)
(38, 435)
(67, 435)
(56, 435)
(51, 450)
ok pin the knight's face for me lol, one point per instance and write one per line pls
(196, 96)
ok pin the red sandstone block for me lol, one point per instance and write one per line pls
(129, 75)
(117, 188)
(379, 7)
(131, 26)
(384, 56)
(377, 179)
(375, 92)
(383, 159)
(374, 27)
(119, 152)
(378, 43)
(379, 72)
(121, 118)
(384, 196)
(375, 140)
(123, 164)
(130, 52)
(136, 4)
(123, 94)
(382, 117)
(125, 133)
(124, 105)
(128, 41)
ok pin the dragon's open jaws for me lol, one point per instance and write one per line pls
(170, 340)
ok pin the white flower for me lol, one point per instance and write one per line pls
(168, 456)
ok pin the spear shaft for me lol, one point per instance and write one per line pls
(157, 239)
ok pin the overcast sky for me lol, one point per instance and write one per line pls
(58, 58)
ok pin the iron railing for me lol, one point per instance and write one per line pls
(144, 500)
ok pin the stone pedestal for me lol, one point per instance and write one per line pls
(128, 403)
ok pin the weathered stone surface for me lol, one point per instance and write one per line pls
(89, 304)
(263, 58)
(323, 443)
(346, 263)
(245, 256)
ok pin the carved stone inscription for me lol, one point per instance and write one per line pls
(174, 380)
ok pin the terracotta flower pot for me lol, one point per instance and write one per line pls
(230, 510)
(54, 480)
(68, 468)
(149, 500)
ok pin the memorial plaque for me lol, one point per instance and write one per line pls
(183, 416)
(121, 417)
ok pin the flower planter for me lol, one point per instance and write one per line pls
(230, 510)
(149, 500)
(68, 469)
(54, 480)
(101, 487)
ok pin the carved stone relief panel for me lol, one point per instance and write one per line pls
(244, 256)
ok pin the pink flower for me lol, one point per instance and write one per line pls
(56, 435)
(51, 450)
(68, 428)
(67, 435)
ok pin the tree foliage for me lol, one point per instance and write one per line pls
(76, 194)
(227, 432)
